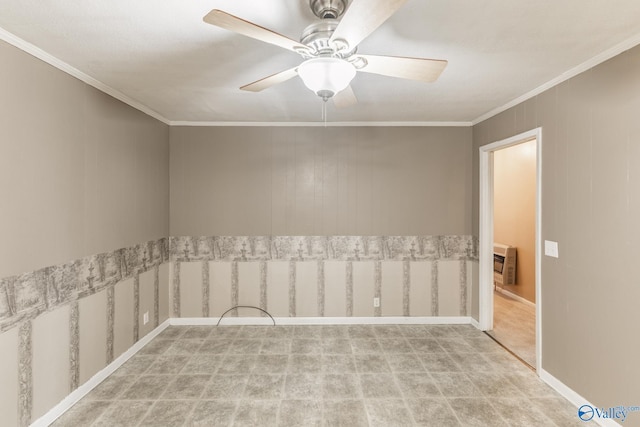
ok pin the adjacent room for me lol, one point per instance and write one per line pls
(514, 226)
(286, 213)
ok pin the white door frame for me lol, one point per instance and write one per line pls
(486, 233)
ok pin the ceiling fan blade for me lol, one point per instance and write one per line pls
(238, 25)
(272, 80)
(362, 18)
(345, 98)
(421, 69)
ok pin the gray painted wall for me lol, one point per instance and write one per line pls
(276, 184)
(591, 206)
(312, 181)
(81, 174)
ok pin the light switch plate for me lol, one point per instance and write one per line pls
(551, 248)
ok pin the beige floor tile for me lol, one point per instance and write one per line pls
(356, 375)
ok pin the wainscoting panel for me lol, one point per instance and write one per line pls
(323, 276)
(335, 288)
(93, 334)
(190, 289)
(49, 378)
(391, 296)
(147, 302)
(448, 288)
(249, 286)
(420, 288)
(278, 288)
(306, 286)
(220, 293)
(363, 288)
(123, 324)
(61, 324)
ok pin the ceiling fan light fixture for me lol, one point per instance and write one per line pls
(326, 76)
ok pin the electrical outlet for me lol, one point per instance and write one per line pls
(376, 302)
(145, 318)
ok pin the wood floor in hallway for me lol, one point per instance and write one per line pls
(514, 326)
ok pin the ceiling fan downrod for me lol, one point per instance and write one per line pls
(328, 9)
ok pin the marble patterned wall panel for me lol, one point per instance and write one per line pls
(174, 288)
(25, 296)
(293, 275)
(472, 297)
(67, 318)
(301, 248)
(162, 295)
(93, 335)
(321, 288)
(9, 385)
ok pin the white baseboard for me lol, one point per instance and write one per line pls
(389, 320)
(85, 388)
(574, 398)
(474, 323)
(515, 297)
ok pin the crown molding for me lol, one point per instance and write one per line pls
(322, 124)
(35, 51)
(588, 64)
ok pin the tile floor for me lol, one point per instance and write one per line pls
(514, 326)
(361, 375)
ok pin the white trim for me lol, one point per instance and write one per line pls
(485, 241)
(85, 388)
(322, 124)
(588, 64)
(486, 286)
(35, 51)
(518, 298)
(475, 323)
(390, 320)
(573, 397)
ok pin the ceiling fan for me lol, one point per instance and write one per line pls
(329, 48)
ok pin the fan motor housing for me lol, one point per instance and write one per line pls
(317, 35)
(328, 9)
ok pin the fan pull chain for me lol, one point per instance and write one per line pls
(324, 112)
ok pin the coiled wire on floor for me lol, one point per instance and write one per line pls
(246, 306)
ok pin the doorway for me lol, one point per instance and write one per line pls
(517, 320)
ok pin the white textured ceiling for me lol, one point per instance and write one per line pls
(161, 54)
